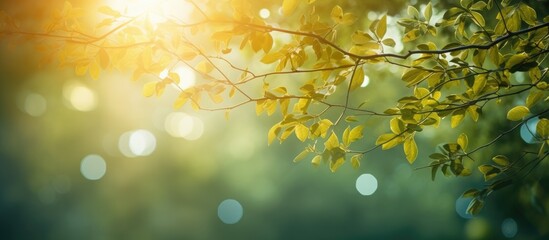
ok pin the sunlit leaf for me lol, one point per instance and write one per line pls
(517, 113)
(501, 160)
(355, 160)
(288, 6)
(381, 27)
(149, 89)
(332, 142)
(301, 132)
(358, 78)
(463, 141)
(542, 128)
(410, 149)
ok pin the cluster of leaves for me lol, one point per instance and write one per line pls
(455, 80)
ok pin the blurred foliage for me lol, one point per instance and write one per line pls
(335, 81)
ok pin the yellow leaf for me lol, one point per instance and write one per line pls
(103, 58)
(388, 140)
(332, 142)
(174, 77)
(301, 132)
(204, 67)
(271, 57)
(301, 155)
(337, 14)
(355, 134)
(346, 136)
(463, 141)
(316, 160)
(542, 128)
(180, 101)
(410, 149)
(334, 165)
(381, 27)
(149, 89)
(273, 132)
(517, 113)
(94, 70)
(358, 78)
(81, 68)
(457, 117)
(109, 11)
(267, 42)
(355, 161)
(397, 125)
(288, 6)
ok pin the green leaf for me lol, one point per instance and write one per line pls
(355, 161)
(412, 11)
(475, 206)
(478, 6)
(478, 18)
(463, 141)
(517, 113)
(301, 132)
(332, 142)
(411, 35)
(489, 171)
(381, 27)
(389, 42)
(501, 160)
(358, 78)
(288, 6)
(542, 129)
(428, 12)
(470, 193)
(410, 149)
(516, 59)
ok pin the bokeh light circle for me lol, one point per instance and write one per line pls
(366, 184)
(230, 211)
(509, 228)
(528, 131)
(93, 167)
(34, 104)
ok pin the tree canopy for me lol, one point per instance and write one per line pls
(306, 68)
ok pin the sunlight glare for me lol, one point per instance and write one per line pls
(142, 142)
(264, 13)
(366, 81)
(181, 125)
(187, 77)
(158, 11)
(79, 97)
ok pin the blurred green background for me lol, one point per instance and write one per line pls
(141, 182)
